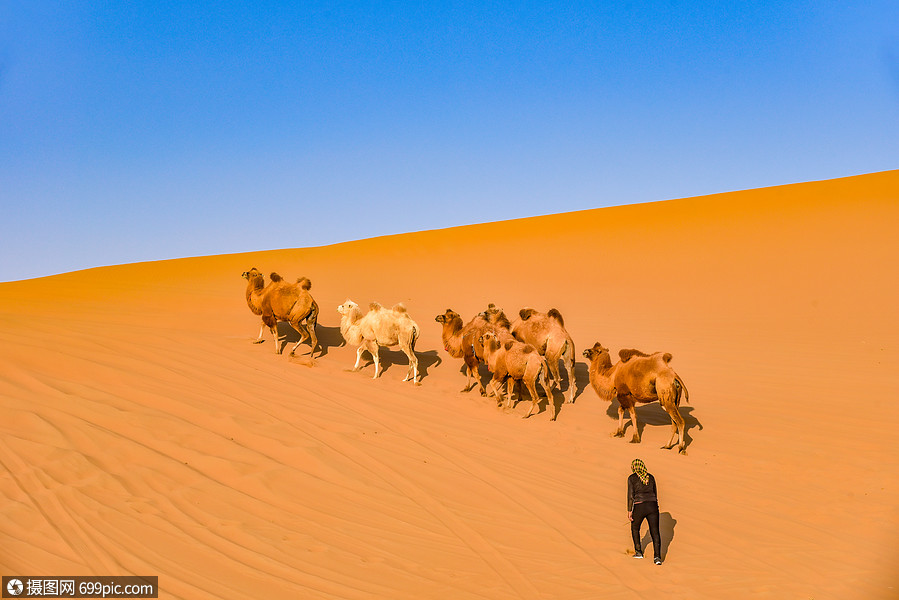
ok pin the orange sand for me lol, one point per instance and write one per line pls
(142, 432)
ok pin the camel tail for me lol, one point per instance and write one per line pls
(305, 283)
(681, 388)
(415, 334)
(312, 319)
(567, 351)
(555, 314)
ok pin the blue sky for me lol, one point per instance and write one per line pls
(135, 131)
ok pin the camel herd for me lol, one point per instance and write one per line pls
(526, 352)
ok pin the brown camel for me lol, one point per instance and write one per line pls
(511, 359)
(639, 378)
(379, 327)
(464, 341)
(283, 301)
(546, 332)
(255, 292)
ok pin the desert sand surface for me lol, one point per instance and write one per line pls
(143, 433)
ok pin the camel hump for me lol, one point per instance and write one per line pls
(628, 353)
(305, 283)
(499, 318)
(555, 314)
(399, 307)
(667, 357)
(526, 313)
(375, 306)
(275, 277)
(507, 345)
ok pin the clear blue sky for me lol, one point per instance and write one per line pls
(150, 130)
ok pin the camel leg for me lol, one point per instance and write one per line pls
(413, 365)
(569, 365)
(313, 339)
(277, 339)
(303, 335)
(550, 399)
(470, 383)
(373, 348)
(549, 394)
(307, 339)
(272, 323)
(260, 338)
(677, 430)
(471, 361)
(554, 376)
(633, 412)
(507, 399)
(474, 379)
(535, 405)
(359, 352)
(535, 401)
(497, 391)
(620, 431)
(307, 334)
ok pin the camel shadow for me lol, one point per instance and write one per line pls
(328, 337)
(667, 524)
(426, 360)
(580, 383)
(653, 414)
(581, 378)
(483, 376)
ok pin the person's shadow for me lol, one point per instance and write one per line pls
(666, 531)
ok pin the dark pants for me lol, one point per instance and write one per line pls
(650, 512)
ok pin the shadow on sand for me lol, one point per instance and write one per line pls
(559, 395)
(328, 337)
(426, 360)
(666, 531)
(653, 414)
(581, 378)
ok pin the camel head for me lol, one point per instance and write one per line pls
(448, 317)
(347, 307)
(489, 339)
(597, 352)
(496, 316)
(251, 274)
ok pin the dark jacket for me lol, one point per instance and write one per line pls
(637, 491)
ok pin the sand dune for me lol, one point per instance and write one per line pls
(143, 433)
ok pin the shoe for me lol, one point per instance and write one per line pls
(657, 560)
(638, 555)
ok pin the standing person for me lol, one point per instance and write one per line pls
(643, 503)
